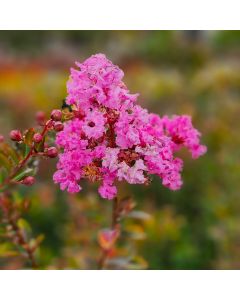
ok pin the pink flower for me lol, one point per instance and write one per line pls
(107, 189)
(134, 174)
(184, 134)
(110, 160)
(110, 138)
(93, 125)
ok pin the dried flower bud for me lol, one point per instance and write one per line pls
(16, 135)
(37, 137)
(56, 115)
(52, 152)
(40, 117)
(29, 180)
(58, 126)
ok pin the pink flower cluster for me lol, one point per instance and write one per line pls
(110, 138)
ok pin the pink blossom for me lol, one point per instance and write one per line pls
(93, 125)
(134, 174)
(110, 138)
(110, 160)
(184, 134)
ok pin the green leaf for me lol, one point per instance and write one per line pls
(3, 175)
(132, 263)
(23, 224)
(22, 174)
(141, 215)
(34, 243)
(4, 162)
(137, 263)
(29, 136)
(12, 154)
(6, 250)
(26, 150)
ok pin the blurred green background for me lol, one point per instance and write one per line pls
(175, 72)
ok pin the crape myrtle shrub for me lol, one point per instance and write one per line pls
(102, 135)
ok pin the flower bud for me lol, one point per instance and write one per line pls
(16, 135)
(56, 115)
(37, 137)
(29, 180)
(51, 152)
(40, 117)
(1, 138)
(58, 126)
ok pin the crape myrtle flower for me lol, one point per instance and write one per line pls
(111, 138)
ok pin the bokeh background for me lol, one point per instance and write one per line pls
(176, 72)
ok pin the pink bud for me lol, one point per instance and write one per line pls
(52, 152)
(40, 117)
(56, 115)
(58, 126)
(16, 135)
(29, 180)
(1, 138)
(37, 137)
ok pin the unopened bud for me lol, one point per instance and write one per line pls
(16, 135)
(52, 152)
(37, 137)
(58, 126)
(29, 180)
(56, 115)
(40, 117)
(1, 138)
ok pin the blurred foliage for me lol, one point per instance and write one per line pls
(176, 72)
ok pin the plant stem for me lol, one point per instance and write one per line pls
(23, 243)
(115, 213)
(115, 222)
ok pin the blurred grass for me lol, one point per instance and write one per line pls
(176, 72)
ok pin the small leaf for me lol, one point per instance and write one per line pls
(26, 150)
(107, 238)
(137, 263)
(40, 238)
(4, 162)
(135, 232)
(29, 136)
(10, 153)
(23, 224)
(6, 250)
(22, 174)
(125, 206)
(3, 175)
(126, 263)
(34, 243)
(141, 215)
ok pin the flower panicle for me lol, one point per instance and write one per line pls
(111, 138)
